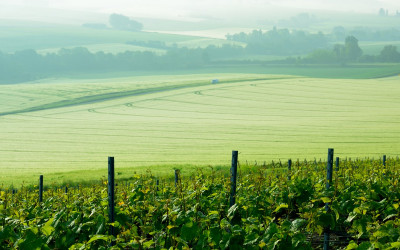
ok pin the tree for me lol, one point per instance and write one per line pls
(340, 52)
(339, 33)
(390, 54)
(382, 12)
(352, 50)
(121, 22)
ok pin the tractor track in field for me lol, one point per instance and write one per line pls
(121, 94)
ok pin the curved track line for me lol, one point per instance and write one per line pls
(116, 95)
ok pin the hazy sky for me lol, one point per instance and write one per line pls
(147, 5)
(189, 8)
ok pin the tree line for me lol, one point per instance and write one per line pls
(118, 22)
(351, 52)
(365, 34)
(29, 65)
(280, 41)
(288, 43)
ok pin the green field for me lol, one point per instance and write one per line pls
(375, 48)
(66, 129)
(50, 38)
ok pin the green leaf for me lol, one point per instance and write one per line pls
(148, 244)
(215, 234)
(234, 215)
(77, 246)
(189, 231)
(232, 211)
(30, 241)
(352, 245)
(280, 207)
(351, 217)
(47, 229)
(326, 220)
(270, 232)
(326, 199)
(389, 217)
(100, 228)
(114, 224)
(98, 237)
(380, 234)
(297, 224)
(365, 246)
(213, 212)
(395, 244)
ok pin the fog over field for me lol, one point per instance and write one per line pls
(188, 9)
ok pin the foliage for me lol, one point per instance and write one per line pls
(351, 52)
(390, 54)
(28, 65)
(121, 22)
(280, 41)
(351, 48)
(271, 212)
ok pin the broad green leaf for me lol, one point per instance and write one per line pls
(326, 199)
(212, 212)
(30, 241)
(298, 224)
(366, 246)
(189, 231)
(115, 224)
(351, 217)
(395, 244)
(280, 207)
(148, 244)
(47, 229)
(98, 237)
(352, 245)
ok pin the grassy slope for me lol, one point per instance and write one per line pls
(276, 117)
(375, 48)
(45, 37)
(49, 38)
(352, 71)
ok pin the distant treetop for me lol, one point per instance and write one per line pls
(121, 22)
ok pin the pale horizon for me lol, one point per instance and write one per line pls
(188, 10)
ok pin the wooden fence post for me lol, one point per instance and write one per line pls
(176, 177)
(233, 178)
(111, 195)
(337, 164)
(328, 184)
(289, 168)
(384, 160)
(41, 188)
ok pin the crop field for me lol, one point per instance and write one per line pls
(66, 129)
(14, 38)
(375, 48)
(351, 71)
